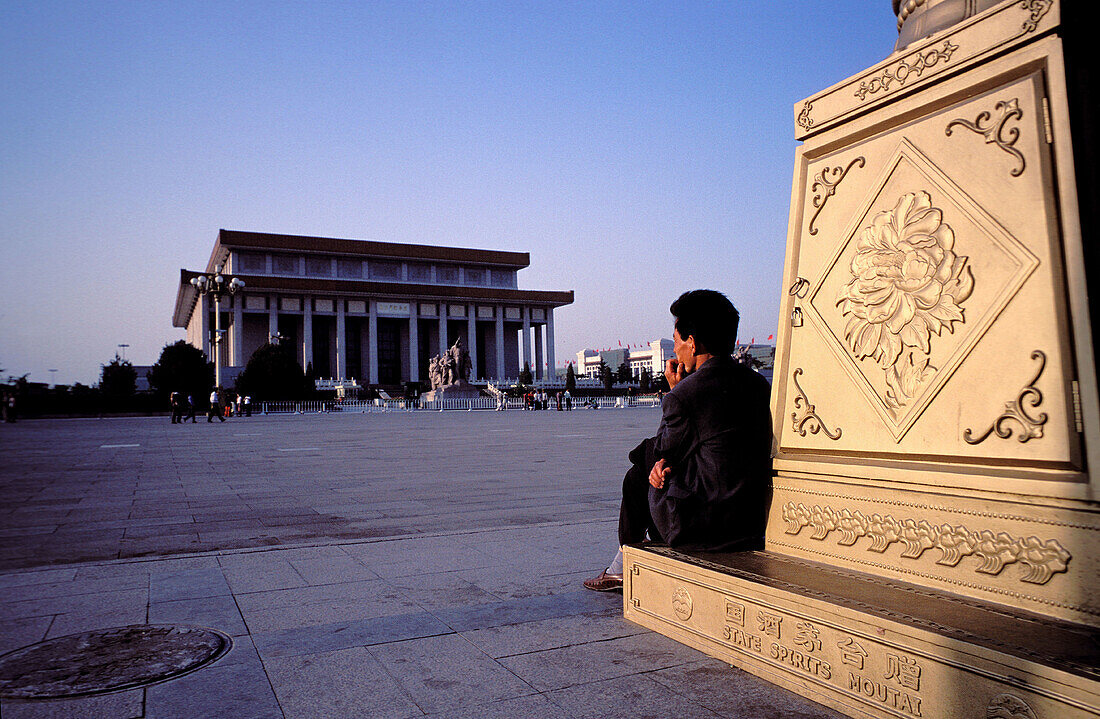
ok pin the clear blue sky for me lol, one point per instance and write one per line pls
(635, 149)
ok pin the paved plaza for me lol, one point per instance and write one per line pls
(365, 565)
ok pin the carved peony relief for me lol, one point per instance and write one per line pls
(906, 284)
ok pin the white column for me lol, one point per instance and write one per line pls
(307, 332)
(550, 343)
(414, 344)
(202, 307)
(272, 317)
(341, 341)
(471, 337)
(540, 357)
(500, 342)
(238, 331)
(526, 336)
(372, 342)
(444, 308)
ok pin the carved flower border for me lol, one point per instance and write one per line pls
(1041, 559)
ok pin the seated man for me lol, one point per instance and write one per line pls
(701, 483)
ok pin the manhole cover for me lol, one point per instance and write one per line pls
(107, 660)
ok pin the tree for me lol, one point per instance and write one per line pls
(606, 377)
(645, 379)
(272, 373)
(622, 375)
(182, 368)
(570, 379)
(117, 380)
(525, 375)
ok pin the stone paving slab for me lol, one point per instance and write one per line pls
(428, 599)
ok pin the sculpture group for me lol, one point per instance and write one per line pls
(450, 368)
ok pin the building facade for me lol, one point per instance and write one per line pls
(372, 311)
(652, 358)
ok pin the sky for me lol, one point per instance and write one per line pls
(635, 149)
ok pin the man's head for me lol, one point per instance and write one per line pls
(706, 323)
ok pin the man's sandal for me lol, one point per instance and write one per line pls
(605, 582)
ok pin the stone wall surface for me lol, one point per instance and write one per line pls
(932, 533)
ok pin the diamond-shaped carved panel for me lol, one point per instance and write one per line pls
(917, 279)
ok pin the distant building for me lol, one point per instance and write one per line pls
(652, 358)
(373, 311)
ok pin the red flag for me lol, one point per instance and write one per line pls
(770, 336)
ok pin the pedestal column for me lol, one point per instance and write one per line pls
(237, 356)
(372, 342)
(526, 336)
(444, 308)
(202, 327)
(414, 344)
(272, 317)
(307, 332)
(540, 359)
(341, 341)
(471, 337)
(500, 342)
(550, 361)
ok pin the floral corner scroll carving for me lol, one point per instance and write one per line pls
(994, 551)
(805, 418)
(804, 118)
(903, 70)
(1016, 412)
(907, 283)
(1037, 8)
(994, 130)
(824, 187)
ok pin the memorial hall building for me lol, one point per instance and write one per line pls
(372, 311)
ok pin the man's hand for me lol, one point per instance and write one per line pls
(674, 372)
(659, 473)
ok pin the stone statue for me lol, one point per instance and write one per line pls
(460, 361)
(435, 372)
(449, 373)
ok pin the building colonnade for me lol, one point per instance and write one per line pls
(382, 341)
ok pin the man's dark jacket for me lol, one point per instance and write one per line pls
(715, 434)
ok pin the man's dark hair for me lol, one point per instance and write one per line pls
(710, 317)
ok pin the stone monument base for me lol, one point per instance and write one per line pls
(459, 390)
(865, 645)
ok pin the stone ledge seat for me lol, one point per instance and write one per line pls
(868, 646)
(1073, 648)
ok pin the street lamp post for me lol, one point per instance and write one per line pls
(216, 284)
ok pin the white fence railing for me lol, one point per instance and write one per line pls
(407, 405)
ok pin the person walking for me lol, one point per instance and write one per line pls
(215, 407)
(174, 402)
(190, 410)
(568, 401)
(248, 405)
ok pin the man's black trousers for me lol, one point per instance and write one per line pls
(634, 516)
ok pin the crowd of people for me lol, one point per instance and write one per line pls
(540, 399)
(220, 406)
